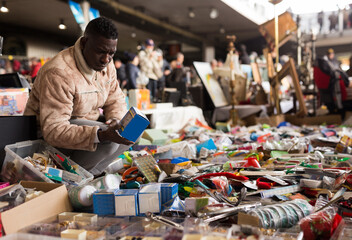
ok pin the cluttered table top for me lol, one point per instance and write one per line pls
(282, 182)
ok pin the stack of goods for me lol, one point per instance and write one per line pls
(255, 182)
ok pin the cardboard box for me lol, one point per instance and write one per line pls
(246, 219)
(317, 120)
(104, 203)
(139, 98)
(149, 199)
(272, 120)
(126, 202)
(13, 101)
(133, 124)
(67, 216)
(79, 234)
(156, 136)
(169, 191)
(54, 201)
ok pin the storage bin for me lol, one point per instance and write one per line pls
(15, 168)
(27, 236)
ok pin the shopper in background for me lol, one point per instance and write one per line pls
(8, 66)
(150, 67)
(121, 73)
(2, 66)
(16, 65)
(70, 89)
(334, 96)
(244, 58)
(333, 18)
(132, 71)
(178, 62)
(320, 20)
(220, 63)
(35, 65)
(165, 68)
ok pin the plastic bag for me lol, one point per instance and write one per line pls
(320, 225)
(142, 79)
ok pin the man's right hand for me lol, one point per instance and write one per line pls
(111, 134)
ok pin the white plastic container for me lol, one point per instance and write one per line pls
(20, 169)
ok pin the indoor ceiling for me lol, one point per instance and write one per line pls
(41, 17)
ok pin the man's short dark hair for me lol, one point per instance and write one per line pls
(103, 27)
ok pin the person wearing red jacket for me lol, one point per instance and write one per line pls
(35, 66)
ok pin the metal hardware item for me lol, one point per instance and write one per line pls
(164, 221)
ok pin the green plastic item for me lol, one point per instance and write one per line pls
(277, 154)
(266, 126)
(128, 157)
(343, 159)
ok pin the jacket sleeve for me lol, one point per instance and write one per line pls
(143, 61)
(56, 104)
(157, 68)
(136, 73)
(132, 75)
(115, 105)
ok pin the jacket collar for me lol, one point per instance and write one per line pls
(82, 65)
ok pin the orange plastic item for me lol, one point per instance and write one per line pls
(127, 172)
(263, 138)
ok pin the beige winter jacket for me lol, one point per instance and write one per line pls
(149, 65)
(66, 88)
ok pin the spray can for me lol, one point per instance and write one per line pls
(81, 196)
(107, 182)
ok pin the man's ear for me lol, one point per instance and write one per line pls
(83, 42)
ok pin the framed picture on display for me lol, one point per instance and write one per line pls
(212, 86)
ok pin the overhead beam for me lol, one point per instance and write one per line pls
(120, 7)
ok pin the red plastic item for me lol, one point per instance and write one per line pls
(226, 174)
(252, 162)
(263, 138)
(264, 183)
(349, 180)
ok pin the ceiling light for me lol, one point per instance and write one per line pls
(62, 26)
(191, 13)
(3, 8)
(133, 34)
(222, 30)
(214, 13)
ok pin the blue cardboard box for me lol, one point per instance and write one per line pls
(133, 124)
(126, 202)
(104, 203)
(169, 191)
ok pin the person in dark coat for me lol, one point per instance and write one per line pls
(132, 71)
(120, 72)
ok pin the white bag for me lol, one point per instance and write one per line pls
(142, 79)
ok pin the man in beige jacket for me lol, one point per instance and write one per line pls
(150, 67)
(70, 89)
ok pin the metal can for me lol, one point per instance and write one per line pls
(107, 182)
(81, 196)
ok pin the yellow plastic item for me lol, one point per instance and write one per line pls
(182, 164)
